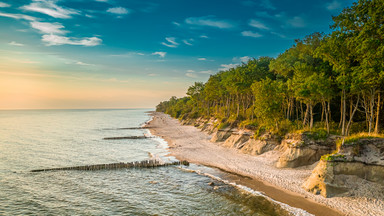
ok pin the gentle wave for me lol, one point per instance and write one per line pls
(293, 210)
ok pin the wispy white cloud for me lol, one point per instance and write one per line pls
(335, 5)
(279, 35)
(191, 75)
(102, 0)
(227, 66)
(296, 22)
(83, 64)
(207, 72)
(50, 8)
(204, 36)
(244, 59)
(188, 42)
(17, 16)
(3, 5)
(176, 23)
(13, 43)
(210, 21)
(251, 34)
(160, 54)
(169, 45)
(202, 59)
(48, 28)
(52, 40)
(128, 54)
(171, 42)
(190, 71)
(152, 74)
(257, 24)
(118, 10)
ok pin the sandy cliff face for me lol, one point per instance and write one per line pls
(301, 150)
(296, 149)
(265, 143)
(221, 135)
(362, 159)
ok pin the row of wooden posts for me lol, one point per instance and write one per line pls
(136, 164)
(128, 137)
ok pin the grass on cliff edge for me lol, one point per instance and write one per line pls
(352, 139)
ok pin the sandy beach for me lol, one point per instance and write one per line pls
(284, 185)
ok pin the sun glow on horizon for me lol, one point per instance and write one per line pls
(44, 91)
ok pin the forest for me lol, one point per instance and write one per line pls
(331, 82)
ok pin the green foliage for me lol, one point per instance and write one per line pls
(285, 126)
(317, 134)
(354, 139)
(222, 125)
(299, 88)
(249, 124)
(333, 157)
(259, 131)
(268, 101)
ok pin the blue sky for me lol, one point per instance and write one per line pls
(139, 52)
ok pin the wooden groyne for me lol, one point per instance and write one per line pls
(136, 164)
(128, 128)
(127, 137)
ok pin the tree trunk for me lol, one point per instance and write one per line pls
(352, 114)
(287, 114)
(366, 108)
(329, 111)
(326, 116)
(311, 112)
(341, 111)
(377, 114)
(322, 111)
(371, 106)
(302, 111)
(306, 115)
(343, 114)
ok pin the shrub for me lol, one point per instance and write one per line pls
(333, 157)
(249, 124)
(222, 125)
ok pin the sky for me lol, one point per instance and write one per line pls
(63, 54)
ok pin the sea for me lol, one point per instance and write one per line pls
(42, 139)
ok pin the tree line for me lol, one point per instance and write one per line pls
(331, 81)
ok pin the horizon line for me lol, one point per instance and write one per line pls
(21, 109)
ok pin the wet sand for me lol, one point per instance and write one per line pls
(284, 185)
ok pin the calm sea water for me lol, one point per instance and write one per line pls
(38, 139)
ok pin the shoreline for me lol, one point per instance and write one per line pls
(188, 143)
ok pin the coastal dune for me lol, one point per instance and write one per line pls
(260, 173)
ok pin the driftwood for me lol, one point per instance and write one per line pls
(136, 164)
